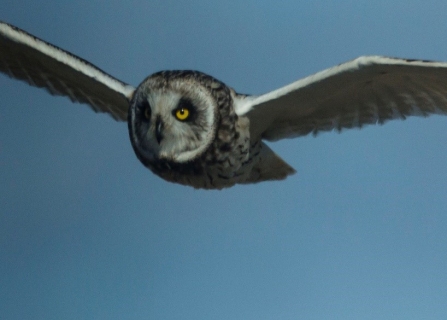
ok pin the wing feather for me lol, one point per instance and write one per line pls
(27, 58)
(367, 90)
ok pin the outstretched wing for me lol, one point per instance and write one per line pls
(367, 90)
(25, 57)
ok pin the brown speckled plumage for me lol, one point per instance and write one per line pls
(227, 159)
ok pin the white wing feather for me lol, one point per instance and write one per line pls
(27, 58)
(367, 90)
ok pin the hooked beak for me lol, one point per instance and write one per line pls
(158, 130)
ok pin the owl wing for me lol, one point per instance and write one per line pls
(27, 58)
(367, 90)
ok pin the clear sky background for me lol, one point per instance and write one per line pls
(86, 232)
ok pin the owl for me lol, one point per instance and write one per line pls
(190, 128)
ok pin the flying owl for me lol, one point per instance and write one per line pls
(190, 128)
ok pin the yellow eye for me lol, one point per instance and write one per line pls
(182, 114)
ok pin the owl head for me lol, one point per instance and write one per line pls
(173, 116)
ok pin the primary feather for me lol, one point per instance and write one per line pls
(25, 57)
(367, 90)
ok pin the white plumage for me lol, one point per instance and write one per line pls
(367, 90)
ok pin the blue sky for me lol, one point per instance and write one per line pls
(86, 232)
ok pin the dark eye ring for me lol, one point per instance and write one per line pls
(146, 108)
(147, 113)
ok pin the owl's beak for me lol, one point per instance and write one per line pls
(158, 130)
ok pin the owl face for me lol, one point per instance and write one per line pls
(172, 117)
